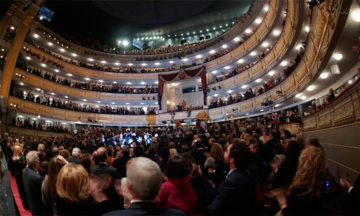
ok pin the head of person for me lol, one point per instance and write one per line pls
(32, 159)
(85, 161)
(138, 151)
(331, 91)
(144, 179)
(273, 134)
(73, 183)
(126, 151)
(176, 168)
(211, 141)
(41, 148)
(210, 163)
(165, 153)
(102, 154)
(292, 149)
(55, 151)
(253, 147)
(311, 171)
(173, 153)
(65, 153)
(237, 156)
(76, 152)
(217, 152)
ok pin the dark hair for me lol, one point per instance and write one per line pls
(315, 142)
(188, 160)
(176, 168)
(138, 151)
(279, 149)
(50, 183)
(165, 153)
(152, 151)
(292, 149)
(240, 153)
(287, 134)
(85, 161)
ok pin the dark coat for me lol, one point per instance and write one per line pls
(145, 208)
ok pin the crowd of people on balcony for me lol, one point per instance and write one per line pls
(70, 105)
(260, 89)
(93, 44)
(94, 86)
(39, 124)
(231, 168)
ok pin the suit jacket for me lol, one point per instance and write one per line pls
(73, 160)
(32, 184)
(101, 169)
(235, 196)
(120, 165)
(145, 208)
(352, 203)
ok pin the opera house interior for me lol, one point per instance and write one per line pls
(179, 107)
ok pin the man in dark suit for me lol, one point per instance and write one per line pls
(103, 168)
(32, 184)
(144, 179)
(75, 159)
(351, 206)
(236, 195)
(120, 163)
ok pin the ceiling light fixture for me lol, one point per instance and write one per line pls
(253, 53)
(324, 75)
(240, 61)
(298, 95)
(214, 72)
(258, 80)
(310, 88)
(338, 56)
(224, 46)
(248, 31)
(258, 21)
(356, 15)
(276, 32)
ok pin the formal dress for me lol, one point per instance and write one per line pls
(145, 208)
(235, 196)
(32, 185)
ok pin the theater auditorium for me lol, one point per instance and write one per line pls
(179, 107)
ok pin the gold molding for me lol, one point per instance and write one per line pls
(340, 164)
(341, 146)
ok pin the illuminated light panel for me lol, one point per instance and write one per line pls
(171, 62)
(265, 44)
(50, 44)
(236, 39)
(43, 65)
(338, 56)
(62, 50)
(258, 80)
(84, 100)
(185, 59)
(356, 15)
(117, 63)
(90, 59)
(56, 70)
(230, 91)
(87, 78)
(215, 95)
(212, 52)
(224, 46)
(253, 53)
(143, 64)
(70, 75)
(104, 62)
(128, 83)
(244, 86)
(36, 36)
(157, 63)
(130, 64)
(101, 81)
(227, 67)
(310, 88)
(74, 54)
(266, 8)
(248, 31)
(271, 73)
(303, 97)
(143, 83)
(276, 32)
(298, 95)
(240, 61)
(284, 63)
(307, 28)
(277, 105)
(324, 75)
(198, 56)
(258, 21)
(214, 72)
(28, 58)
(21, 83)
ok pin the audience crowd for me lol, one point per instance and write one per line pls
(225, 169)
(70, 105)
(252, 92)
(93, 86)
(39, 124)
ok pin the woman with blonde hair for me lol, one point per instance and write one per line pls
(305, 191)
(17, 171)
(73, 188)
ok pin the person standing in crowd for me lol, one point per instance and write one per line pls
(351, 206)
(177, 191)
(305, 190)
(18, 165)
(32, 184)
(236, 195)
(143, 183)
(75, 156)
